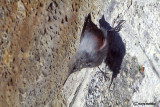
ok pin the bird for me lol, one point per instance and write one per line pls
(92, 49)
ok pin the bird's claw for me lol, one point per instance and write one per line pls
(104, 74)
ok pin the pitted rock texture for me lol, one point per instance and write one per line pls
(37, 39)
(122, 89)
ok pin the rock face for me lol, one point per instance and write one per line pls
(37, 39)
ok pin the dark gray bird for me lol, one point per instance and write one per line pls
(92, 49)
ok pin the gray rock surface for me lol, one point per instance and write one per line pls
(139, 77)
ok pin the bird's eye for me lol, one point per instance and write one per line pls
(74, 68)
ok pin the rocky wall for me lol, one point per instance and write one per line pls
(37, 39)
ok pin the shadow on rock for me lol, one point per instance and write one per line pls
(116, 49)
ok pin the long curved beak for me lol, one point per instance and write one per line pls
(66, 78)
(71, 65)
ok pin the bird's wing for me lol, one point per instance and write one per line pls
(85, 26)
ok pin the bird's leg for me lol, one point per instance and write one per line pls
(119, 26)
(104, 74)
(105, 67)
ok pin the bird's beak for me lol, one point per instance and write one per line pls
(71, 67)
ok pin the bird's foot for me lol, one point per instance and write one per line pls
(104, 74)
